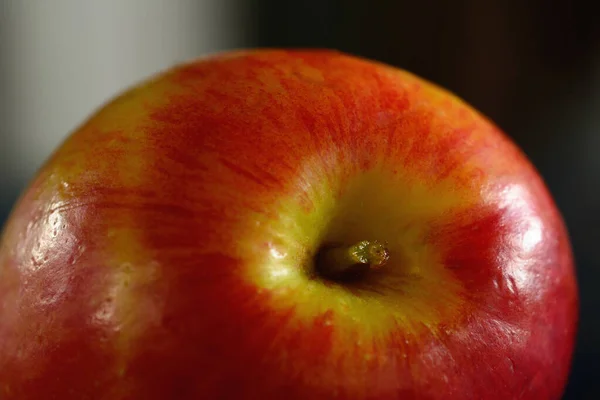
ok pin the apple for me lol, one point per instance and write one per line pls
(272, 224)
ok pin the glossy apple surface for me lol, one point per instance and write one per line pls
(166, 250)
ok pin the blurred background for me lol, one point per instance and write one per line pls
(533, 67)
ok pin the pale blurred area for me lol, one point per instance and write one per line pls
(533, 67)
(61, 59)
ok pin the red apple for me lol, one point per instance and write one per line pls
(286, 225)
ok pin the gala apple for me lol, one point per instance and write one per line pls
(279, 224)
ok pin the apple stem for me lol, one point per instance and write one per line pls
(338, 262)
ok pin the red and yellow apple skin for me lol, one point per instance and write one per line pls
(166, 250)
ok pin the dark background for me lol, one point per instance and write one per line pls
(533, 67)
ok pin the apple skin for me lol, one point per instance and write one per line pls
(165, 250)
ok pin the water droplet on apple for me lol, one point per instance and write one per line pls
(506, 285)
(496, 283)
(277, 254)
(511, 364)
(64, 187)
(511, 284)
